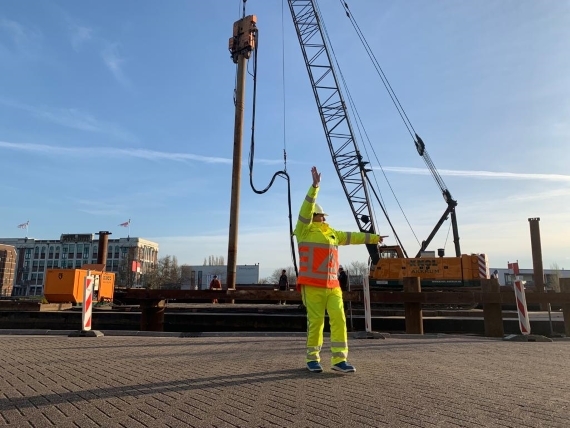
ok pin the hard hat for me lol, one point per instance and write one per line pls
(319, 210)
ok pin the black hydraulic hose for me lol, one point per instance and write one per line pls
(283, 173)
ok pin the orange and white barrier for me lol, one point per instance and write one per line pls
(87, 308)
(483, 263)
(524, 321)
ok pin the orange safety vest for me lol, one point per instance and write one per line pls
(318, 265)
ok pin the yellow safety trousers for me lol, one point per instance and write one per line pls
(317, 300)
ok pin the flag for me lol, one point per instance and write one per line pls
(24, 225)
(126, 224)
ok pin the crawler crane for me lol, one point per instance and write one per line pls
(389, 263)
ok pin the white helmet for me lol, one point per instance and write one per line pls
(319, 210)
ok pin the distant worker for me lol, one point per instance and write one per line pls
(495, 274)
(318, 279)
(215, 284)
(283, 284)
(342, 279)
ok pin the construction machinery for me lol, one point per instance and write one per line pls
(67, 285)
(389, 264)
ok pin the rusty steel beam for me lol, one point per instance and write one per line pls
(565, 288)
(430, 297)
(103, 245)
(536, 247)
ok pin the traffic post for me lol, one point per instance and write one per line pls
(524, 319)
(524, 322)
(87, 309)
(368, 333)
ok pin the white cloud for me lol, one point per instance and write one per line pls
(80, 35)
(115, 62)
(73, 118)
(110, 151)
(26, 41)
(482, 174)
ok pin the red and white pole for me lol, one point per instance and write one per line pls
(87, 308)
(524, 321)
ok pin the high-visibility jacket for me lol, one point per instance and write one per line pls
(318, 246)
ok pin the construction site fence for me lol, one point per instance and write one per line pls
(489, 296)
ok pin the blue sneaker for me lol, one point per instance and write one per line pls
(344, 367)
(314, 366)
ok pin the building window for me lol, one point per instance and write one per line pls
(110, 252)
(86, 252)
(50, 254)
(36, 252)
(42, 265)
(71, 252)
(78, 263)
(50, 264)
(35, 266)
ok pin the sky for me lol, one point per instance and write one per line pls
(111, 111)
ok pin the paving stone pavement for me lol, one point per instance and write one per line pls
(260, 381)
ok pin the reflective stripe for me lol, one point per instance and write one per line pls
(348, 236)
(310, 199)
(304, 220)
(339, 345)
(367, 238)
(340, 354)
(313, 348)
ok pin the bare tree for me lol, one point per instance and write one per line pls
(274, 277)
(165, 272)
(553, 279)
(214, 261)
(355, 268)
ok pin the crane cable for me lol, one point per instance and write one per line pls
(420, 146)
(282, 173)
(361, 129)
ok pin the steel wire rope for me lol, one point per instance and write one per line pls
(418, 142)
(359, 125)
(420, 146)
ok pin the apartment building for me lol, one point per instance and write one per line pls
(7, 269)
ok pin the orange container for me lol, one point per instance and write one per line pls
(66, 285)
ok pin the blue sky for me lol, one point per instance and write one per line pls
(116, 110)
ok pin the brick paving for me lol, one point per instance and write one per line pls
(260, 381)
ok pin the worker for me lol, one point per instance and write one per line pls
(215, 284)
(283, 284)
(342, 279)
(318, 281)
